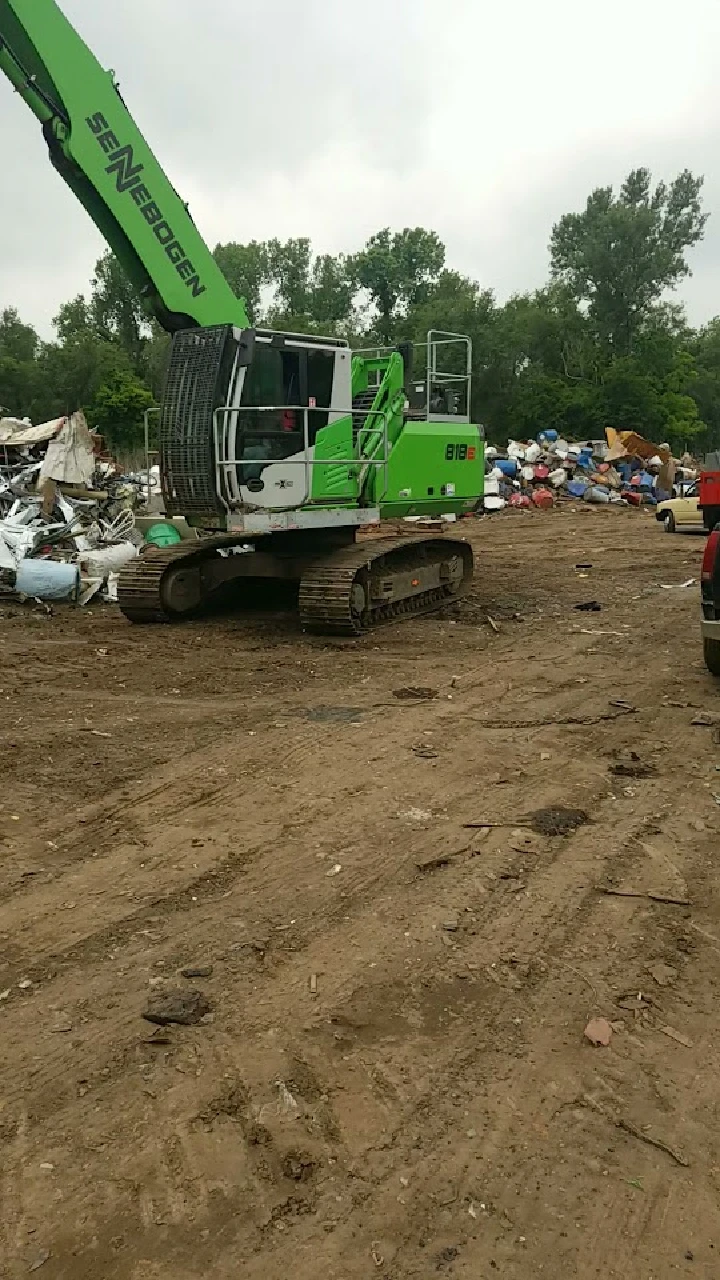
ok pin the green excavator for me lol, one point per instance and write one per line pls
(284, 452)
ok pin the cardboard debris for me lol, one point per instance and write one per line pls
(17, 434)
(628, 444)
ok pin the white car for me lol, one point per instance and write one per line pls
(681, 513)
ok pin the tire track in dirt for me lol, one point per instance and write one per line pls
(490, 944)
(118, 929)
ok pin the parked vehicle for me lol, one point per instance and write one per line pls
(710, 490)
(681, 513)
(710, 595)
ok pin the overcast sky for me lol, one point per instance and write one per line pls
(483, 120)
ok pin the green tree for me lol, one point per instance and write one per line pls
(73, 321)
(332, 291)
(704, 346)
(623, 252)
(454, 303)
(316, 294)
(69, 375)
(19, 341)
(118, 409)
(538, 400)
(106, 348)
(19, 345)
(684, 423)
(157, 354)
(247, 270)
(116, 312)
(289, 264)
(658, 406)
(399, 270)
(632, 398)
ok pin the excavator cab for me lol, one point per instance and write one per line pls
(261, 421)
(284, 401)
(244, 409)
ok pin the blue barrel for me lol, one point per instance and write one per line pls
(508, 466)
(551, 435)
(48, 580)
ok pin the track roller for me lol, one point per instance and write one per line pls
(380, 581)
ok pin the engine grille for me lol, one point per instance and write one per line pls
(196, 384)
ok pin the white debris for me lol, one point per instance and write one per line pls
(64, 509)
(415, 815)
(70, 458)
(287, 1103)
(18, 433)
(106, 560)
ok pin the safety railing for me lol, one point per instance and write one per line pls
(435, 377)
(149, 453)
(229, 432)
(439, 342)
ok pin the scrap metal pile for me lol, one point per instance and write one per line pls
(624, 468)
(67, 513)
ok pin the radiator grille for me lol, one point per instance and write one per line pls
(196, 384)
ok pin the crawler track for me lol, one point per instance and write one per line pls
(327, 590)
(141, 593)
(338, 592)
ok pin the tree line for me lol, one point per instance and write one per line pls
(603, 343)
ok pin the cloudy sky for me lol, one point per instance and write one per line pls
(483, 120)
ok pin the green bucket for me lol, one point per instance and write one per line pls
(163, 535)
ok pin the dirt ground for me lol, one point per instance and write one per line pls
(393, 1080)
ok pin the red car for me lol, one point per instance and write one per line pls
(710, 588)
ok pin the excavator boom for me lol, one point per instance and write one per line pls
(96, 146)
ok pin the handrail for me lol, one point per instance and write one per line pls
(225, 418)
(441, 338)
(146, 420)
(433, 375)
